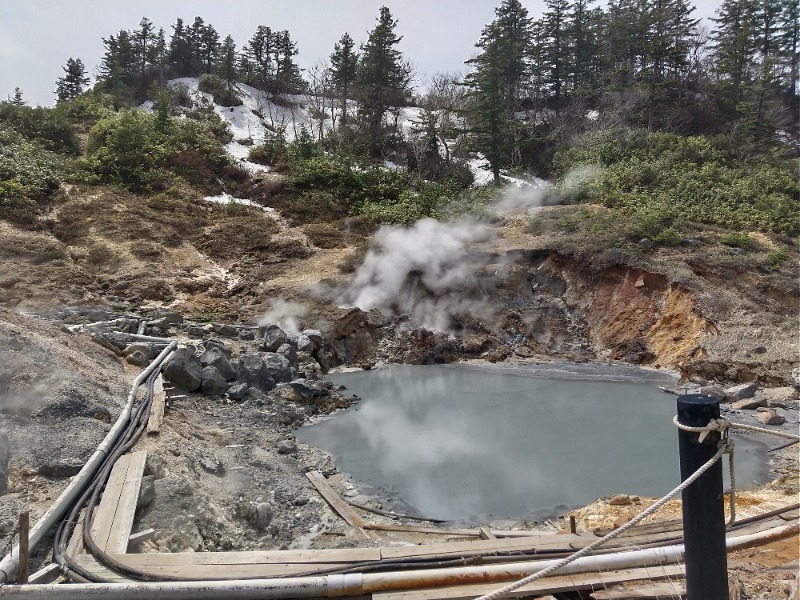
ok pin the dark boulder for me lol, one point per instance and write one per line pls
(290, 353)
(274, 338)
(254, 372)
(279, 368)
(212, 383)
(214, 357)
(184, 368)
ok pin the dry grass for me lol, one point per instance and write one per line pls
(326, 235)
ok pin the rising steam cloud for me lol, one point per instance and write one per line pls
(423, 270)
(286, 314)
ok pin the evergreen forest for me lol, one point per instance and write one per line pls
(636, 106)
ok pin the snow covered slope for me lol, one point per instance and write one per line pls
(259, 117)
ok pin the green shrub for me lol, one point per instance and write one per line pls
(778, 257)
(273, 151)
(139, 152)
(737, 240)
(372, 191)
(223, 94)
(29, 174)
(303, 147)
(687, 178)
(48, 127)
(87, 108)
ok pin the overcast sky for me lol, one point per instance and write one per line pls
(38, 36)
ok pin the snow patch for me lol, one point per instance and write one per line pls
(483, 176)
(226, 199)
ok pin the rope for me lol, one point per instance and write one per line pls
(723, 426)
(617, 532)
(783, 434)
(732, 477)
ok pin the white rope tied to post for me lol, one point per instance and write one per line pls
(726, 445)
(617, 532)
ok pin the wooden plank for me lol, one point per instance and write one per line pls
(757, 527)
(200, 572)
(647, 528)
(470, 548)
(24, 529)
(142, 536)
(461, 532)
(75, 544)
(486, 534)
(122, 524)
(157, 407)
(337, 504)
(299, 557)
(548, 585)
(669, 589)
(103, 515)
(424, 529)
(46, 574)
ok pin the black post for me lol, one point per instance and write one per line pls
(703, 514)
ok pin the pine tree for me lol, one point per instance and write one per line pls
(582, 30)
(287, 73)
(344, 64)
(74, 81)
(556, 48)
(17, 99)
(179, 54)
(496, 83)
(789, 44)
(260, 54)
(144, 42)
(194, 36)
(734, 38)
(383, 79)
(226, 65)
(490, 125)
(159, 51)
(208, 50)
(669, 39)
(118, 66)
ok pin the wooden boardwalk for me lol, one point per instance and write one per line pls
(114, 518)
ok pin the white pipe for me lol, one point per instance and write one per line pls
(359, 584)
(10, 564)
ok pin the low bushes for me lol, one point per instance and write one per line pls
(683, 179)
(29, 174)
(136, 151)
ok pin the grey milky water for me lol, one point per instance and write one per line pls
(457, 443)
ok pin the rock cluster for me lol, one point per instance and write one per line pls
(289, 364)
(770, 404)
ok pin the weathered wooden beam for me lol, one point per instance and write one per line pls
(667, 589)
(157, 407)
(24, 545)
(120, 531)
(142, 536)
(46, 574)
(337, 504)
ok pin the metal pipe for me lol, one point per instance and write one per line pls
(10, 564)
(332, 586)
(137, 338)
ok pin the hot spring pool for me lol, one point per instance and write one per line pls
(457, 443)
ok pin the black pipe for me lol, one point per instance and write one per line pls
(703, 513)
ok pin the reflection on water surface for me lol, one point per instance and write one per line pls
(454, 442)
